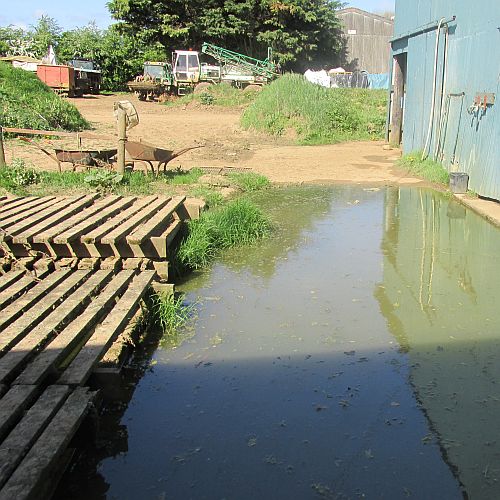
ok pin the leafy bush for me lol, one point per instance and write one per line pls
(26, 102)
(103, 179)
(428, 169)
(238, 222)
(15, 177)
(316, 114)
(207, 98)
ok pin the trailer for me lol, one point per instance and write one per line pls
(60, 78)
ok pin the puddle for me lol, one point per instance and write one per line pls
(352, 355)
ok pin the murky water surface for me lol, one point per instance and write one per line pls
(355, 354)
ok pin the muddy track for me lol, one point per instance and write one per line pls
(227, 144)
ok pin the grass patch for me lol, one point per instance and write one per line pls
(249, 181)
(212, 197)
(428, 169)
(182, 177)
(22, 180)
(26, 102)
(220, 94)
(172, 314)
(239, 222)
(315, 114)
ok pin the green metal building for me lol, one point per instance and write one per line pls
(446, 76)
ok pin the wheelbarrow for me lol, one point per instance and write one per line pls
(77, 157)
(147, 153)
(85, 157)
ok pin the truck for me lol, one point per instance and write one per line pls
(87, 76)
(186, 72)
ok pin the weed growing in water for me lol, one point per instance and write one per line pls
(240, 222)
(428, 169)
(172, 314)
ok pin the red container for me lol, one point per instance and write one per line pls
(59, 78)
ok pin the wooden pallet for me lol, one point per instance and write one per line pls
(53, 333)
(86, 226)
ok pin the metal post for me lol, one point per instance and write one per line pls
(2, 152)
(122, 139)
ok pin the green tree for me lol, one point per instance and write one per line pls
(83, 42)
(299, 31)
(46, 32)
(16, 41)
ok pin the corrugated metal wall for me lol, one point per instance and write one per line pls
(471, 141)
(368, 37)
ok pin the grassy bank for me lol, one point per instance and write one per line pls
(317, 115)
(26, 102)
(428, 169)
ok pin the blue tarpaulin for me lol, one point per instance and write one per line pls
(380, 81)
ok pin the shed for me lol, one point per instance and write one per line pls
(367, 39)
(446, 75)
(24, 62)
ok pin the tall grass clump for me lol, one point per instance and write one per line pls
(317, 115)
(171, 313)
(249, 181)
(26, 102)
(428, 169)
(240, 222)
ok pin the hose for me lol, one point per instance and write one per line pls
(443, 91)
(431, 114)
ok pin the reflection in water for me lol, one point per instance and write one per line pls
(296, 381)
(439, 295)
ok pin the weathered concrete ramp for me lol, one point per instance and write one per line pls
(54, 329)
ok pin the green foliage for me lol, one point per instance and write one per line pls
(172, 313)
(16, 176)
(102, 179)
(316, 114)
(428, 169)
(220, 94)
(211, 197)
(26, 102)
(237, 223)
(297, 30)
(250, 181)
(45, 33)
(207, 98)
(83, 42)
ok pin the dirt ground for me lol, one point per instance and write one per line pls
(227, 144)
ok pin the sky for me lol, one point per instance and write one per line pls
(70, 14)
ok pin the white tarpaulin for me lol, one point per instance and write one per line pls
(318, 77)
(50, 57)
